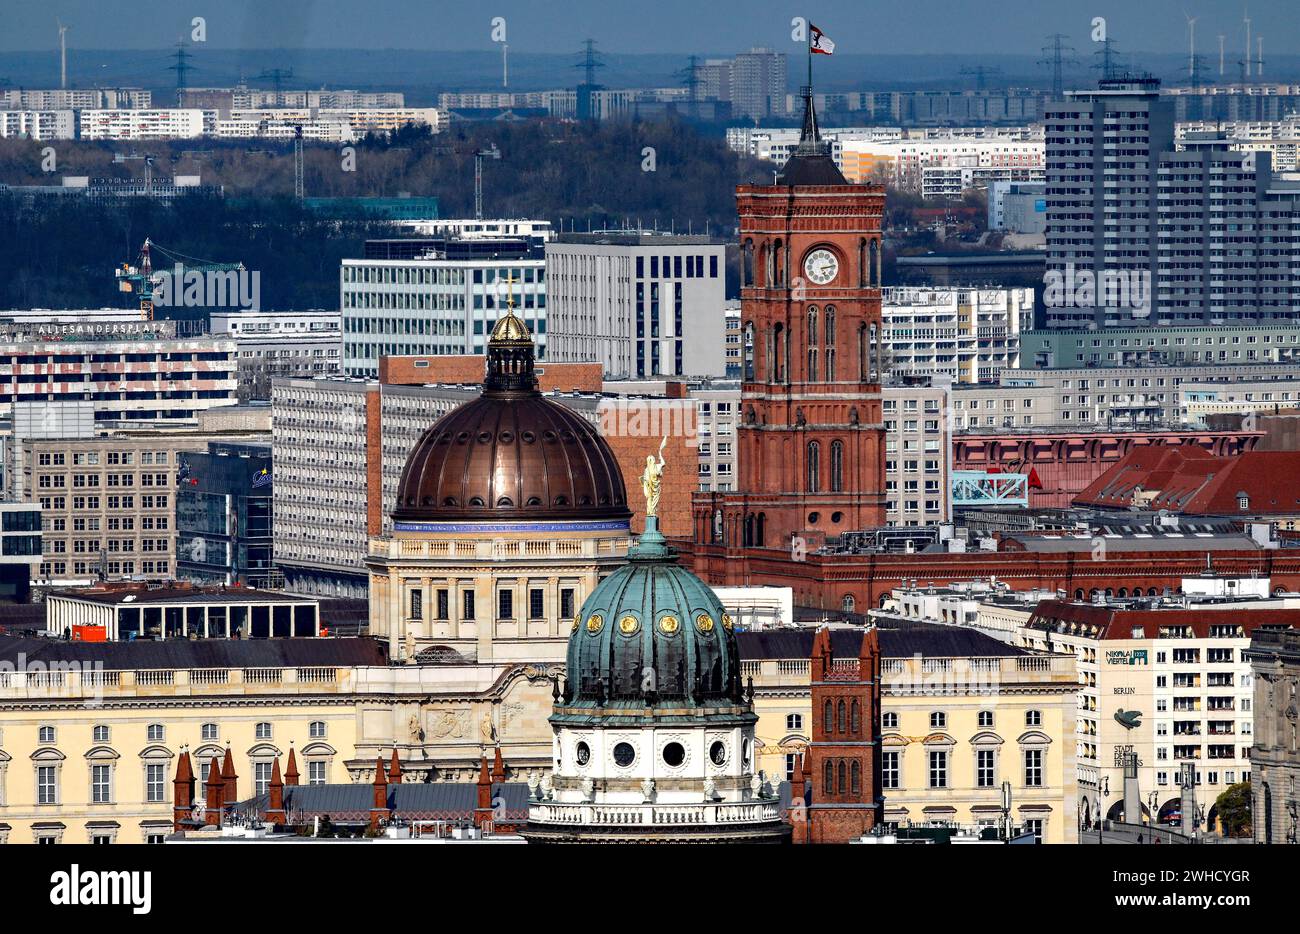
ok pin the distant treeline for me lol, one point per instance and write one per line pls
(61, 253)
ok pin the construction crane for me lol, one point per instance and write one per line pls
(147, 158)
(297, 163)
(141, 280)
(479, 156)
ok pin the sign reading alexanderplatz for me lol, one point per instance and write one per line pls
(86, 330)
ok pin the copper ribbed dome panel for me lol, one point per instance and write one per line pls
(510, 457)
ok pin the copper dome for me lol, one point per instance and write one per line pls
(511, 455)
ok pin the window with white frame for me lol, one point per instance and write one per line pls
(890, 769)
(316, 770)
(261, 777)
(263, 730)
(46, 735)
(794, 721)
(101, 734)
(938, 768)
(101, 783)
(47, 784)
(317, 729)
(155, 782)
(157, 733)
(1033, 768)
(208, 732)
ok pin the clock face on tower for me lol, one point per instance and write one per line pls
(820, 266)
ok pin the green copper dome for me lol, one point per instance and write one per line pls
(652, 634)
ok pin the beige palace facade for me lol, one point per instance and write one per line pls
(961, 713)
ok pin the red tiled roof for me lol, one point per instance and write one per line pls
(1188, 480)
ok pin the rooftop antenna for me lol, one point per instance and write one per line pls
(63, 54)
(1055, 56)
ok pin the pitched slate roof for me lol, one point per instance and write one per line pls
(432, 801)
(899, 638)
(203, 653)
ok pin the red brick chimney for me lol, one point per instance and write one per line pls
(379, 808)
(212, 814)
(394, 770)
(182, 788)
(291, 770)
(275, 807)
(229, 780)
(483, 808)
(498, 767)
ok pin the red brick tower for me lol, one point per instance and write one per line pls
(182, 789)
(809, 449)
(844, 757)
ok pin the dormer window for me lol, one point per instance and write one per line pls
(1243, 501)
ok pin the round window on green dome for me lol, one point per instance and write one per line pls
(674, 755)
(624, 755)
(718, 753)
(583, 754)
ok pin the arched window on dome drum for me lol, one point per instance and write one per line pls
(840, 718)
(855, 717)
(855, 784)
(829, 778)
(814, 466)
(837, 466)
(828, 720)
(844, 785)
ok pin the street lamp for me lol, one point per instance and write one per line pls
(1006, 812)
(1103, 792)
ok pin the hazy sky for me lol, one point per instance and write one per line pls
(670, 26)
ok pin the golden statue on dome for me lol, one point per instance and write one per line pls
(652, 478)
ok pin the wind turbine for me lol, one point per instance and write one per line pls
(1245, 18)
(1191, 45)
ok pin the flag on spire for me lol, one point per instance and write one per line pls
(820, 43)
